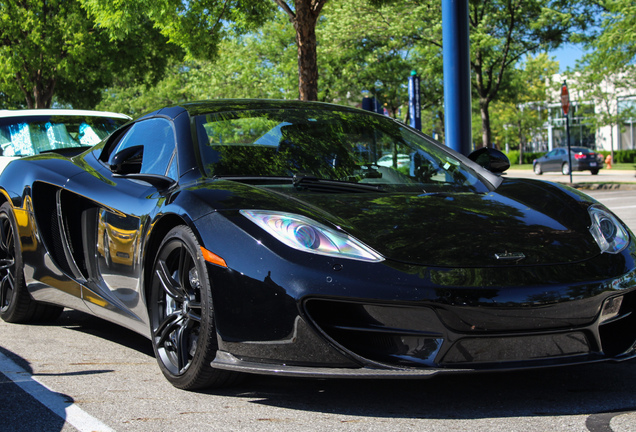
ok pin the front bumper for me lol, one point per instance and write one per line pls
(357, 338)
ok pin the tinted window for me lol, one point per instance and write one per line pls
(157, 138)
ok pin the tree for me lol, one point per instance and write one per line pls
(604, 87)
(52, 49)
(608, 71)
(615, 45)
(502, 33)
(520, 113)
(372, 47)
(258, 64)
(199, 26)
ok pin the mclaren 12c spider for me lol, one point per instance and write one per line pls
(253, 236)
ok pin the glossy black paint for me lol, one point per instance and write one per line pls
(440, 301)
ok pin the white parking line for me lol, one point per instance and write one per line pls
(56, 402)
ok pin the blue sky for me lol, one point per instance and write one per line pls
(567, 56)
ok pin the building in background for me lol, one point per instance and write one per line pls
(586, 108)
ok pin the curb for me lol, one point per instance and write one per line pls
(624, 182)
(603, 186)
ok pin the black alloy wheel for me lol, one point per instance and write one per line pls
(16, 304)
(537, 169)
(182, 318)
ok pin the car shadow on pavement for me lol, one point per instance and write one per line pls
(79, 321)
(577, 390)
(20, 411)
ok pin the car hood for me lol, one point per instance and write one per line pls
(523, 222)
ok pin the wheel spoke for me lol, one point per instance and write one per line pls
(170, 286)
(6, 237)
(6, 288)
(167, 326)
(191, 314)
(183, 347)
(6, 264)
(184, 270)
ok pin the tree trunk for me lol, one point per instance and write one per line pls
(40, 95)
(485, 122)
(304, 17)
(43, 93)
(305, 26)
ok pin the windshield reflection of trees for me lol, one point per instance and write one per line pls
(330, 145)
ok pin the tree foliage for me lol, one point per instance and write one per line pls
(520, 113)
(50, 48)
(615, 45)
(370, 49)
(607, 72)
(502, 33)
(258, 64)
(199, 26)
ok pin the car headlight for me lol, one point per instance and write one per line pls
(307, 235)
(608, 232)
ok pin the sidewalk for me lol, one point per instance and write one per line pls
(605, 179)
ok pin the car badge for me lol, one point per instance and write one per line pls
(510, 256)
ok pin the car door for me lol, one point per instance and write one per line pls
(546, 159)
(123, 191)
(554, 160)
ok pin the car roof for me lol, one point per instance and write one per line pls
(57, 112)
(575, 149)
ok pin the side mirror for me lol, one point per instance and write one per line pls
(127, 161)
(492, 159)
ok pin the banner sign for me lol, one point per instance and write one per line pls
(415, 112)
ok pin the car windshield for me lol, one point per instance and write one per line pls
(34, 134)
(333, 145)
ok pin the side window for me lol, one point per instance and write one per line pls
(157, 138)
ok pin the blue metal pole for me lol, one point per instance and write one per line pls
(456, 53)
(415, 107)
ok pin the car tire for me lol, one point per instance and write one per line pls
(537, 169)
(16, 304)
(594, 172)
(565, 169)
(181, 315)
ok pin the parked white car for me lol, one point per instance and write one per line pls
(31, 132)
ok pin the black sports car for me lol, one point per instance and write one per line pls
(263, 237)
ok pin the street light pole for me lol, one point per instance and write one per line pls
(565, 106)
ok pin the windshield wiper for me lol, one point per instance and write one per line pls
(304, 181)
(311, 182)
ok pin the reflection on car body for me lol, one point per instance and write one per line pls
(253, 236)
(117, 238)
